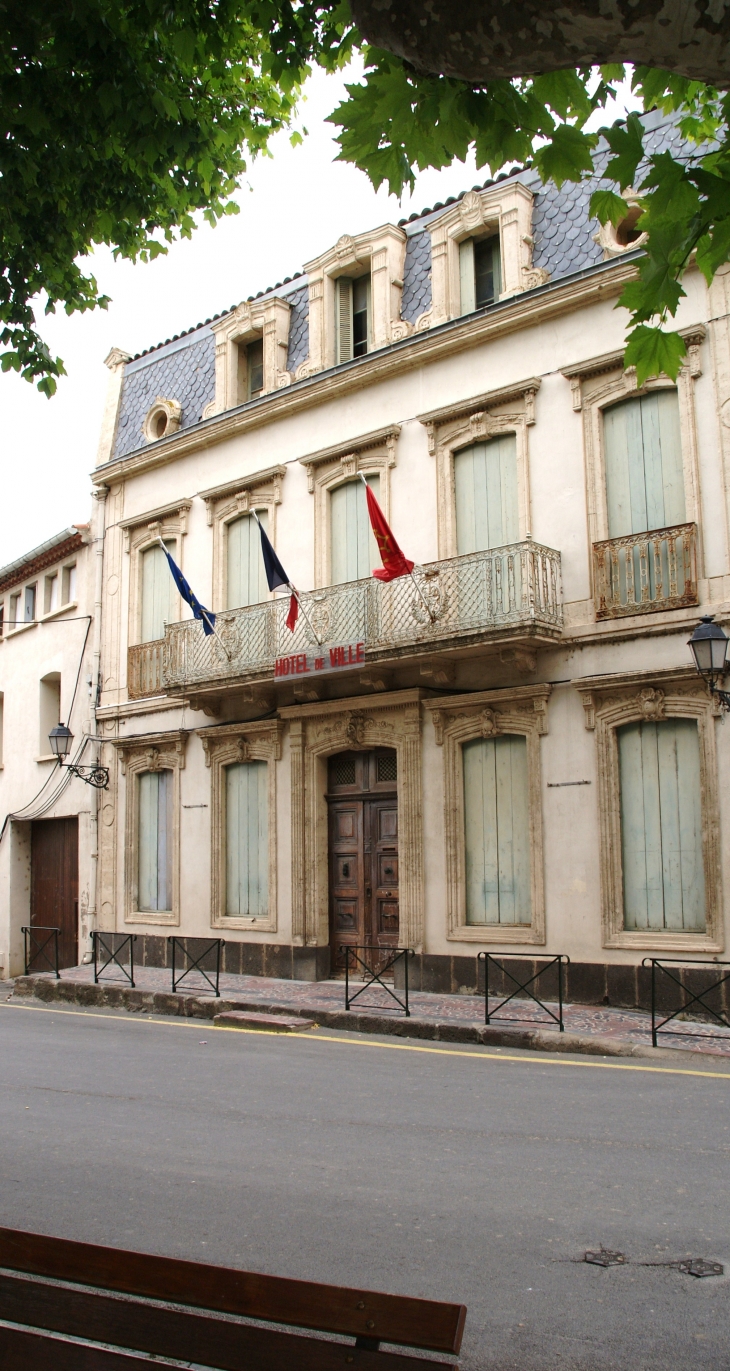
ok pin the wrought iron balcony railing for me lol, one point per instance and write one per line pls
(470, 598)
(642, 573)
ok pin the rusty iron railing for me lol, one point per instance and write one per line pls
(462, 597)
(642, 573)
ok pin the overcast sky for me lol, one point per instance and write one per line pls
(293, 206)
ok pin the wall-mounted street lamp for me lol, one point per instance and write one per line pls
(60, 739)
(709, 648)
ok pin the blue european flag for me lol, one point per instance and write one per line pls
(206, 616)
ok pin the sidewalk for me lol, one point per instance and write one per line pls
(451, 1018)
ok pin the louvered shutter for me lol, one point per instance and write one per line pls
(353, 550)
(497, 831)
(157, 593)
(343, 319)
(155, 841)
(247, 851)
(661, 826)
(643, 457)
(485, 479)
(466, 276)
(246, 580)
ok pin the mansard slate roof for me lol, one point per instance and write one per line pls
(183, 368)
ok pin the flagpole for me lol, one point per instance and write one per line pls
(211, 626)
(293, 591)
(426, 605)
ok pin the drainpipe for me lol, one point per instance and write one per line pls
(100, 496)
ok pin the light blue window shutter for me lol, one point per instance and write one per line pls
(157, 592)
(497, 831)
(155, 840)
(661, 826)
(343, 319)
(643, 456)
(247, 845)
(353, 550)
(246, 581)
(467, 281)
(485, 478)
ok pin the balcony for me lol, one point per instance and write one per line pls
(505, 593)
(144, 669)
(643, 573)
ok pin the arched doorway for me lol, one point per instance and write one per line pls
(362, 799)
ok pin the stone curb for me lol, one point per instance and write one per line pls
(207, 1007)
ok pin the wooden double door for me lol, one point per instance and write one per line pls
(54, 886)
(362, 797)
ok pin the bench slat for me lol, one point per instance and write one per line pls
(25, 1351)
(427, 1324)
(187, 1337)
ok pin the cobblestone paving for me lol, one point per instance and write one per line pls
(626, 1025)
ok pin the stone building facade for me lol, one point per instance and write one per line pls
(511, 752)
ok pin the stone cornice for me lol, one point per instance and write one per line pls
(258, 478)
(610, 361)
(152, 516)
(37, 564)
(380, 437)
(522, 311)
(460, 408)
(391, 700)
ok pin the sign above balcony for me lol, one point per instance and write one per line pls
(326, 659)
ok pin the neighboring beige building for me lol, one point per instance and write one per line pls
(513, 754)
(48, 673)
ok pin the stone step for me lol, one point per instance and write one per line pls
(271, 1023)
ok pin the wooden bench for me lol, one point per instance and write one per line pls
(127, 1307)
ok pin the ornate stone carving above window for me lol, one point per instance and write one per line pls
(252, 322)
(226, 745)
(651, 697)
(328, 468)
(454, 427)
(152, 752)
(458, 719)
(381, 252)
(224, 504)
(505, 210)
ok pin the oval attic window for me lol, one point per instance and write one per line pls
(162, 419)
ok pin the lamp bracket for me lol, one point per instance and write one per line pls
(98, 776)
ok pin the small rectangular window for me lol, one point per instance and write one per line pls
(2, 702)
(352, 318)
(2, 617)
(50, 594)
(255, 369)
(69, 584)
(479, 272)
(15, 609)
(29, 604)
(49, 709)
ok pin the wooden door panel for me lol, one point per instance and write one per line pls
(363, 852)
(347, 903)
(381, 830)
(54, 883)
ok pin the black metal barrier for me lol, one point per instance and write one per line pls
(204, 947)
(497, 959)
(659, 966)
(386, 960)
(113, 946)
(34, 947)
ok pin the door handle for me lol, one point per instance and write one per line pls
(368, 890)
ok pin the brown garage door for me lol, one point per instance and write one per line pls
(54, 885)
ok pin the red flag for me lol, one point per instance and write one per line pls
(394, 563)
(293, 614)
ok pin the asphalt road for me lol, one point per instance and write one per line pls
(459, 1173)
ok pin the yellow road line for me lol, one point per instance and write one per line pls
(533, 1059)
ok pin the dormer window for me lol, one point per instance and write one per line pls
(480, 272)
(250, 352)
(352, 317)
(250, 371)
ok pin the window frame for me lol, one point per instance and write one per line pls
(380, 253)
(226, 503)
(141, 533)
(487, 714)
(150, 752)
(631, 698)
(374, 454)
(225, 745)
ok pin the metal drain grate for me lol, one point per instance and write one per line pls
(697, 1266)
(605, 1258)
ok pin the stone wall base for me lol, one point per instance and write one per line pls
(247, 959)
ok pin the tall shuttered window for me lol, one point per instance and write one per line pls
(352, 317)
(643, 454)
(480, 273)
(497, 831)
(155, 840)
(485, 478)
(661, 826)
(247, 843)
(157, 593)
(246, 580)
(353, 550)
